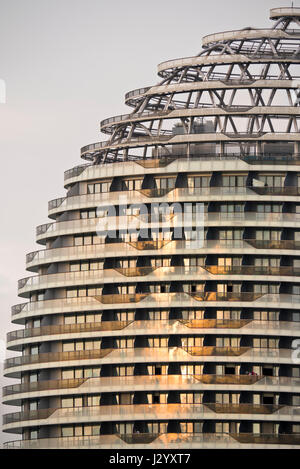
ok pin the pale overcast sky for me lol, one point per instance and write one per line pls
(67, 65)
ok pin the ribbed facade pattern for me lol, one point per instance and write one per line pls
(144, 328)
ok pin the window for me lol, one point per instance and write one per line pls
(132, 184)
(165, 183)
(268, 235)
(71, 402)
(98, 187)
(231, 234)
(272, 180)
(84, 214)
(266, 315)
(195, 182)
(231, 208)
(232, 180)
(265, 342)
(192, 341)
(228, 341)
(33, 377)
(33, 434)
(269, 208)
(34, 350)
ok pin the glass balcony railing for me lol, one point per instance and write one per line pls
(39, 386)
(253, 270)
(267, 439)
(163, 440)
(153, 354)
(180, 299)
(215, 323)
(73, 253)
(160, 411)
(155, 192)
(67, 329)
(265, 190)
(230, 379)
(56, 356)
(216, 296)
(216, 351)
(120, 298)
(164, 381)
(148, 244)
(220, 408)
(274, 244)
(138, 438)
(135, 271)
(56, 280)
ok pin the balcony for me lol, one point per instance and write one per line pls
(265, 439)
(244, 408)
(162, 441)
(56, 357)
(67, 329)
(120, 298)
(215, 296)
(216, 351)
(135, 271)
(274, 244)
(253, 270)
(265, 190)
(155, 163)
(147, 381)
(148, 244)
(215, 323)
(171, 411)
(76, 171)
(153, 193)
(138, 438)
(46, 385)
(229, 379)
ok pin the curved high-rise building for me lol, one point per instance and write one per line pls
(163, 306)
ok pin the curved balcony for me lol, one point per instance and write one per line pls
(162, 441)
(76, 171)
(12, 366)
(247, 246)
(14, 394)
(153, 300)
(100, 147)
(93, 171)
(56, 357)
(120, 298)
(176, 327)
(281, 271)
(150, 412)
(265, 439)
(101, 224)
(144, 382)
(67, 329)
(216, 351)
